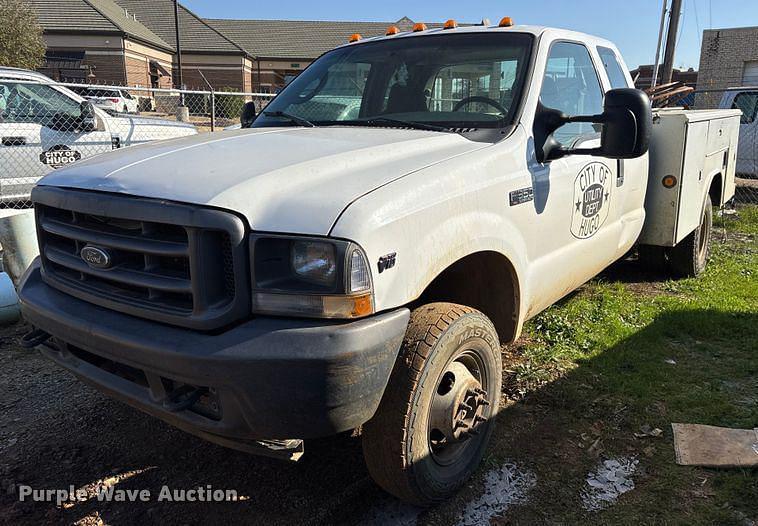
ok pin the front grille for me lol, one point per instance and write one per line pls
(169, 262)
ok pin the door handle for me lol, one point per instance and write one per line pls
(14, 141)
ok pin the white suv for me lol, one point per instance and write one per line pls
(112, 100)
(44, 126)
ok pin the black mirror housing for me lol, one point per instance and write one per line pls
(627, 124)
(87, 117)
(248, 114)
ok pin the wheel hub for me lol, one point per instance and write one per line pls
(458, 407)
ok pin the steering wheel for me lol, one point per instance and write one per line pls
(484, 100)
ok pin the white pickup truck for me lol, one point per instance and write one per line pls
(322, 270)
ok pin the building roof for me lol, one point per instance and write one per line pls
(288, 39)
(96, 16)
(196, 35)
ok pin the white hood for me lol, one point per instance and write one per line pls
(281, 179)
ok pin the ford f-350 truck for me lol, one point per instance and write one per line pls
(322, 270)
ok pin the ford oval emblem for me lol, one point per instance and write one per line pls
(96, 257)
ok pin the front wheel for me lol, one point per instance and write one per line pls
(436, 416)
(689, 258)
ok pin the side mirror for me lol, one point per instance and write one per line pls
(627, 124)
(87, 117)
(248, 114)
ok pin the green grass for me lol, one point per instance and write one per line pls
(598, 365)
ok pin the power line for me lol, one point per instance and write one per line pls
(710, 14)
(681, 28)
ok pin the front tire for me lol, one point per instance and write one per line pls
(436, 417)
(689, 258)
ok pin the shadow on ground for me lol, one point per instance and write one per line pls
(57, 432)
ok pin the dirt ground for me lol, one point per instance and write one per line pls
(56, 432)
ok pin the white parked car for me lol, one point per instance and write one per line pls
(112, 100)
(745, 100)
(44, 126)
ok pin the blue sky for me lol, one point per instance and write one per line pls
(631, 24)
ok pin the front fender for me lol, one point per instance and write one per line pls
(433, 218)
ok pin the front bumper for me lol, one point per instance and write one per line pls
(270, 378)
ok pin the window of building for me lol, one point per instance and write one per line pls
(612, 67)
(571, 85)
(750, 73)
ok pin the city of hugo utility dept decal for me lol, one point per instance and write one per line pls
(592, 194)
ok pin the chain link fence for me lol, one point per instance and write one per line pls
(48, 125)
(746, 100)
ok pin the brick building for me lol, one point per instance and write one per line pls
(728, 58)
(224, 63)
(99, 41)
(133, 42)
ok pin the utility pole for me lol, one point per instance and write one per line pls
(668, 56)
(654, 79)
(179, 82)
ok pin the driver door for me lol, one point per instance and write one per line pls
(38, 134)
(575, 196)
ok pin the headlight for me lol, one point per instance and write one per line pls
(311, 277)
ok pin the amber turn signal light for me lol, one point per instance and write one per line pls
(354, 38)
(419, 27)
(392, 30)
(450, 24)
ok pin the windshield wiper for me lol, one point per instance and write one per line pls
(293, 118)
(409, 124)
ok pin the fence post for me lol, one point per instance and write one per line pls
(213, 110)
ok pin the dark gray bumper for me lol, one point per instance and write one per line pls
(274, 378)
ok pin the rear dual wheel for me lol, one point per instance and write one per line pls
(436, 417)
(689, 257)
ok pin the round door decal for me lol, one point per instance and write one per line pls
(592, 195)
(59, 155)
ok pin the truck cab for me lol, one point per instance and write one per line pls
(355, 254)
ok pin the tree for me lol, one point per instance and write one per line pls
(21, 44)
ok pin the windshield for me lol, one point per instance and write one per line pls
(470, 80)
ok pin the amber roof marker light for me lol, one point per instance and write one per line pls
(392, 30)
(506, 22)
(354, 38)
(419, 27)
(450, 24)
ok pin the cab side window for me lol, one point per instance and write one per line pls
(35, 103)
(571, 85)
(748, 103)
(612, 67)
